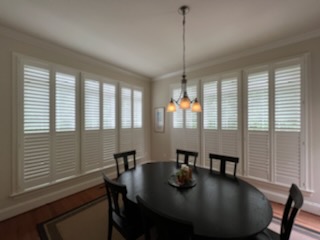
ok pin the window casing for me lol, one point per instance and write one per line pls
(275, 129)
(131, 130)
(221, 119)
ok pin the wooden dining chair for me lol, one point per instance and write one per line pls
(293, 205)
(122, 214)
(186, 155)
(166, 227)
(223, 159)
(125, 156)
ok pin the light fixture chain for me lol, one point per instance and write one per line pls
(184, 43)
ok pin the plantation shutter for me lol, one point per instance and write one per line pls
(229, 133)
(91, 136)
(288, 124)
(220, 117)
(35, 153)
(109, 132)
(258, 136)
(210, 119)
(138, 133)
(66, 154)
(126, 120)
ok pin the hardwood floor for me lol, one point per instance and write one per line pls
(24, 226)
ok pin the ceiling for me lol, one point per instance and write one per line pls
(145, 36)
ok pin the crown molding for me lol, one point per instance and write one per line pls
(246, 53)
(37, 42)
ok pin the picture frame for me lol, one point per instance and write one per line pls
(159, 119)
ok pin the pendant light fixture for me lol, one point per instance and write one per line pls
(184, 101)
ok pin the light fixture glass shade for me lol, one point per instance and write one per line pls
(196, 107)
(171, 106)
(185, 102)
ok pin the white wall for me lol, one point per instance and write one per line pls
(10, 42)
(160, 96)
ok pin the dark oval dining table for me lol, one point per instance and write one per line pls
(220, 207)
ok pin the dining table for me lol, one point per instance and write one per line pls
(219, 206)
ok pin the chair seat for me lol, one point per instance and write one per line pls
(267, 234)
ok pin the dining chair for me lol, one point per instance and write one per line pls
(125, 156)
(223, 159)
(122, 214)
(186, 155)
(293, 205)
(166, 227)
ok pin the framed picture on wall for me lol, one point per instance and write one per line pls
(159, 119)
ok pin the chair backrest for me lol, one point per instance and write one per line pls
(223, 159)
(293, 205)
(186, 155)
(115, 190)
(167, 227)
(124, 156)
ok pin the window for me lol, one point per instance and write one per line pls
(131, 132)
(220, 116)
(48, 143)
(274, 148)
(53, 144)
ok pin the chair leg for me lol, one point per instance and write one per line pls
(110, 229)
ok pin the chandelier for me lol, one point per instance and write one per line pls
(184, 101)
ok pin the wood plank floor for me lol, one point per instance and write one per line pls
(24, 226)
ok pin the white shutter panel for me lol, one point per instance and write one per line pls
(229, 120)
(210, 120)
(258, 136)
(36, 142)
(210, 105)
(229, 104)
(126, 120)
(288, 124)
(109, 134)
(91, 137)
(138, 133)
(66, 138)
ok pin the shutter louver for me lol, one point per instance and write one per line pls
(210, 105)
(36, 115)
(109, 106)
(65, 102)
(258, 101)
(258, 152)
(92, 105)
(229, 104)
(36, 99)
(288, 98)
(191, 117)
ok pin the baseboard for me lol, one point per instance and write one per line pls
(28, 205)
(308, 206)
